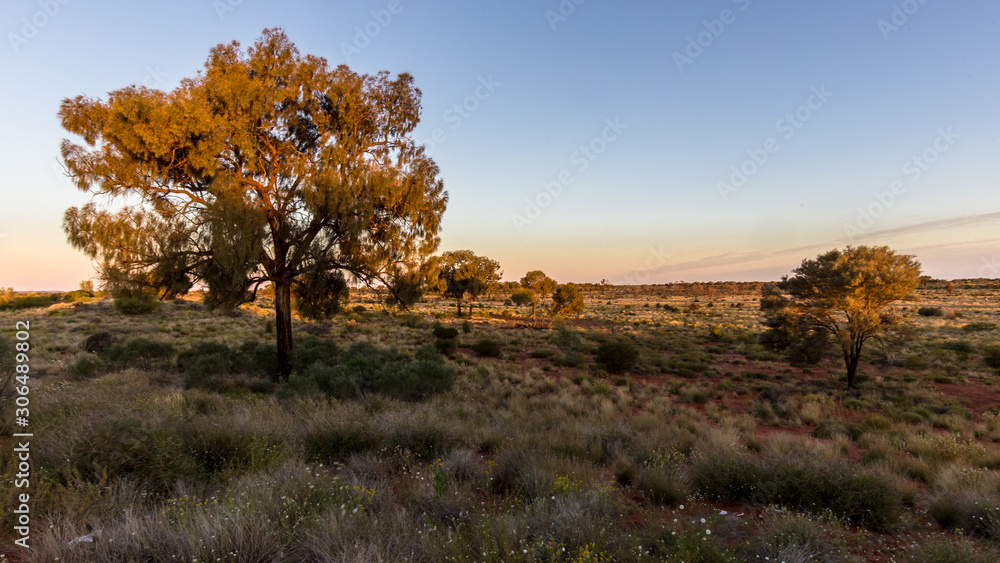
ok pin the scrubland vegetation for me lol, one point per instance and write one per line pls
(654, 426)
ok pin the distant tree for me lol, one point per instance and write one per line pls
(463, 273)
(409, 284)
(526, 297)
(567, 300)
(844, 294)
(537, 281)
(268, 166)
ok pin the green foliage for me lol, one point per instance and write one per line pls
(487, 348)
(446, 332)
(307, 215)
(320, 294)
(616, 357)
(86, 366)
(366, 368)
(844, 294)
(140, 353)
(139, 304)
(798, 477)
(567, 300)
(788, 332)
(463, 273)
(524, 297)
(77, 295)
(30, 302)
(537, 282)
(446, 346)
(991, 355)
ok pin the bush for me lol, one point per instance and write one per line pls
(77, 295)
(445, 332)
(991, 355)
(663, 482)
(616, 357)
(800, 476)
(446, 346)
(930, 312)
(487, 348)
(136, 305)
(31, 302)
(140, 353)
(570, 360)
(86, 366)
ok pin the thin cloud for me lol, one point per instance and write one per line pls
(731, 259)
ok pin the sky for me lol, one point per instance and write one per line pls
(632, 141)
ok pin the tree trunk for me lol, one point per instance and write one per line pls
(458, 303)
(283, 326)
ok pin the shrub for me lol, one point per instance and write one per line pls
(616, 357)
(663, 482)
(360, 309)
(487, 348)
(86, 366)
(930, 312)
(77, 295)
(979, 327)
(446, 346)
(798, 475)
(570, 360)
(31, 302)
(467, 326)
(141, 304)
(445, 332)
(140, 353)
(991, 355)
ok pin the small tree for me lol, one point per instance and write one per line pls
(567, 300)
(843, 294)
(526, 297)
(462, 272)
(536, 280)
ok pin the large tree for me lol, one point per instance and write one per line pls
(463, 273)
(267, 166)
(846, 295)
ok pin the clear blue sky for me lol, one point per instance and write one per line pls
(667, 98)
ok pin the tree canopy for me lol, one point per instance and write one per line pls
(463, 273)
(267, 166)
(536, 280)
(567, 300)
(844, 294)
